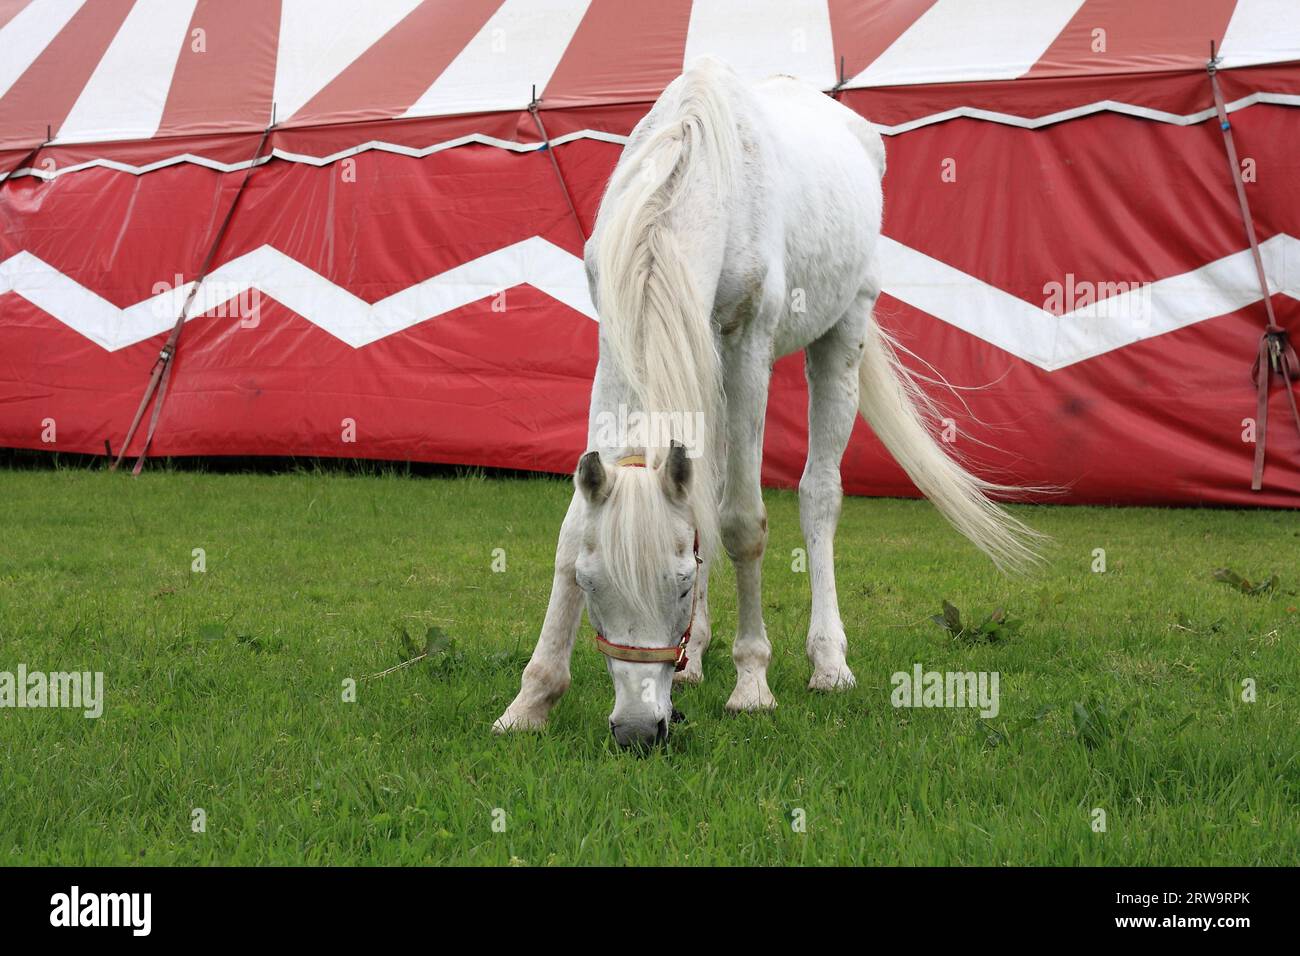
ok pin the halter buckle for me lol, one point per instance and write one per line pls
(680, 662)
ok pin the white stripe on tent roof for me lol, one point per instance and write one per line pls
(319, 39)
(518, 48)
(762, 37)
(127, 93)
(964, 40)
(1261, 31)
(24, 37)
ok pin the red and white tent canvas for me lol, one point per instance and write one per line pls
(1061, 224)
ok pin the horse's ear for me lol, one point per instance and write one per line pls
(591, 478)
(675, 473)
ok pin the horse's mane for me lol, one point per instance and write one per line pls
(652, 317)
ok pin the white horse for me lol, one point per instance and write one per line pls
(739, 226)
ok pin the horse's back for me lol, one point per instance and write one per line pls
(826, 163)
(810, 118)
(804, 212)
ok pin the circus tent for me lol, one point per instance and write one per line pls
(387, 202)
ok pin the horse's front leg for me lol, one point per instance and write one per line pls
(744, 520)
(701, 634)
(546, 677)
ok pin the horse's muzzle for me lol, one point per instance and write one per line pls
(637, 735)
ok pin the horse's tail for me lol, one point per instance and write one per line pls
(894, 406)
(653, 317)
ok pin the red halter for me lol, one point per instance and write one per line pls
(676, 654)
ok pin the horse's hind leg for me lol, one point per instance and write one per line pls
(546, 677)
(831, 364)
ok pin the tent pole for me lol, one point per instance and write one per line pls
(162, 367)
(834, 91)
(546, 145)
(1276, 355)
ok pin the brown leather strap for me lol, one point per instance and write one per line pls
(1276, 354)
(154, 376)
(153, 419)
(640, 655)
(1262, 377)
(1291, 373)
(1235, 166)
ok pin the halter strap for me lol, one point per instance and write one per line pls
(646, 655)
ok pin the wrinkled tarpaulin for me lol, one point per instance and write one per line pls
(417, 270)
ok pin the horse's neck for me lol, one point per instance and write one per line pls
(613, 418)
(705, 246)
(611, 395)
(659, 251)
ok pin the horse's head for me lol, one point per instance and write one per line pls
(637, 568)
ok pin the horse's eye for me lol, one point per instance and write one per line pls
(682, 596)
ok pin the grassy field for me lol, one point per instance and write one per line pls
(1120, 691)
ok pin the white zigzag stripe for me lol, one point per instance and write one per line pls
(534, 261)
(1053, 342)
(419, 152)
(1010, 323)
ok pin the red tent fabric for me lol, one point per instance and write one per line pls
(402, 274)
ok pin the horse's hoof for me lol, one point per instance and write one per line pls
(509, 723)
(751, 700)
(831, 679)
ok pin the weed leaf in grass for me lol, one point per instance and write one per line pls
(1094, 725)
(212, 632)
(949, 620)
(440, 654)
(436, 642)
(993, 629)
(996, 627)
(1235, 580)
(409, 650)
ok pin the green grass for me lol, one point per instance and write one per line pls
(223, 688)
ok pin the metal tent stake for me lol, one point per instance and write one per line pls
(1276, 355)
